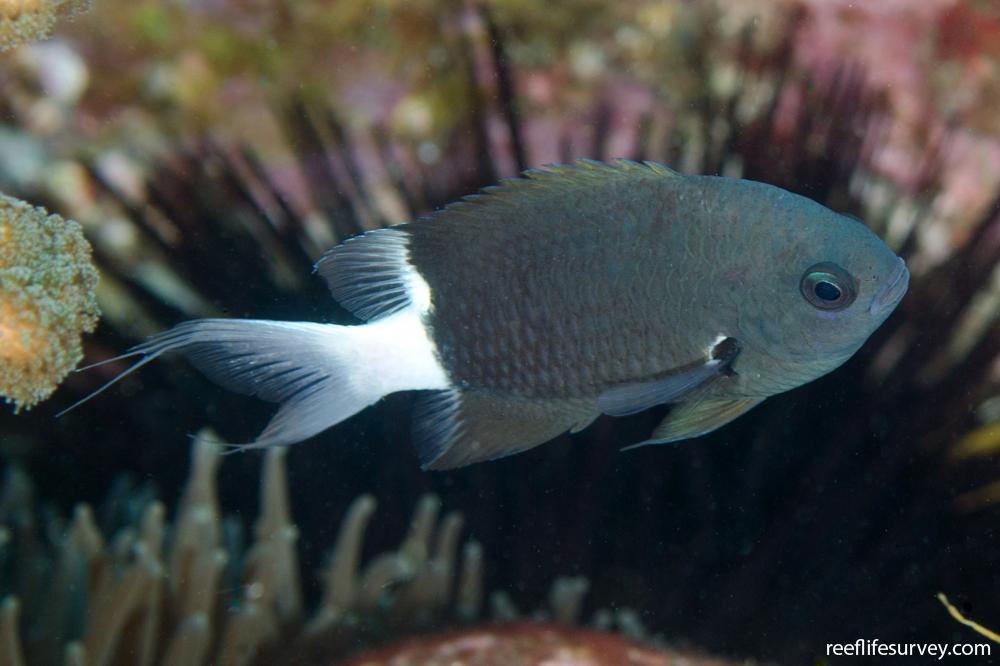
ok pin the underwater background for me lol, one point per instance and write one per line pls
(211, 151)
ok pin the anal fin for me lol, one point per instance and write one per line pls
(693, 419)
(455, 428)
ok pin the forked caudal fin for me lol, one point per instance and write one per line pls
(321, 374)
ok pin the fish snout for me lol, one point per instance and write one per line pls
(888, 296)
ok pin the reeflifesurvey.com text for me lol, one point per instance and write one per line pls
(873, 647)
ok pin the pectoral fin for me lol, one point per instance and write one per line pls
(671, 386)
(697, 418)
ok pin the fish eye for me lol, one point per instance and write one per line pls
(827, 286)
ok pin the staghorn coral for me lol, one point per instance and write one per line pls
(23, 21)
(47, 300)
(183, 594)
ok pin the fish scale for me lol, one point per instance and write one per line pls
(561, 318)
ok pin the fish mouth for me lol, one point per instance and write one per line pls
(889, 295)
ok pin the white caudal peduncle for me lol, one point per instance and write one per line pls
(397, 353)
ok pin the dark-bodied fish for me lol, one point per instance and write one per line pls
(533, 307)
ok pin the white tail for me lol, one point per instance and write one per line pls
(320, 373)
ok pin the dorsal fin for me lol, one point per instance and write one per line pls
(579, 173)
(583, 168)
(550, 186)
(371, 274)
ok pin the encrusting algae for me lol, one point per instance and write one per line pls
(47, 283)
(23, 21)
(184, 594)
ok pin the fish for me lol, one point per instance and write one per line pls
(574, 291)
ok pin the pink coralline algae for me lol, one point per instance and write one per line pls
(528, 644)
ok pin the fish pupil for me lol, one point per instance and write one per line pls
(827, 291)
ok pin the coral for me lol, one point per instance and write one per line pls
(47, 300)
(24, 21)
(184, 594)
